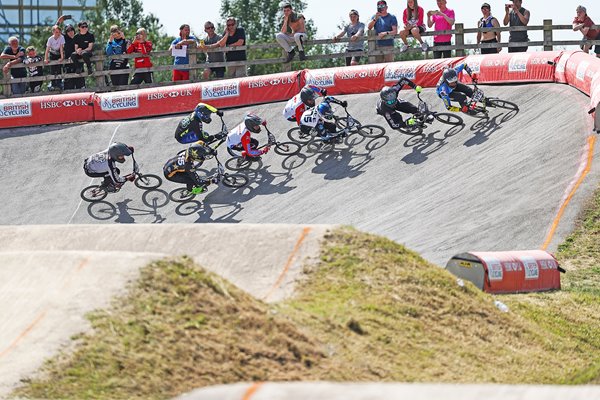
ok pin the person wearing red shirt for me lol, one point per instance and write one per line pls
(413, 25)
(583, 23)
(144, 47)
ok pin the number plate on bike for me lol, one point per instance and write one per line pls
(477, 95)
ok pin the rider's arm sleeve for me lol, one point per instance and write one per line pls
(246, 145)
(460, 68)
(405, 81)
(114, 175)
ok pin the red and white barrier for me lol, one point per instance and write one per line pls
(508, 271)
(575, 68)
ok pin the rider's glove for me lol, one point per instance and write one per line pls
(219, 113)
(265, 150)
(323, 92)
(464, 109)
(244, 153)
(130, 148)
(264, 122)
(475, 78)
(453, 109)
(329, 99)
(418, 89)
(131, 178)
(344, 103)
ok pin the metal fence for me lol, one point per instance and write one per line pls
(99, 81)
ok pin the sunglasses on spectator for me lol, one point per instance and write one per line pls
(83, 26)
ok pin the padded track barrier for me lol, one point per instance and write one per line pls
(508, 271)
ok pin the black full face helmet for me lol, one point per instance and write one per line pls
(203, 113)
(308, 96)
(198, 152)
(117, 151)
(389, 96)
(253, 122)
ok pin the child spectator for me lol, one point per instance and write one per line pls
(117, 45)
(413, 25)
(34, 70)
(144, 47)
(55, 51)
(355, 31)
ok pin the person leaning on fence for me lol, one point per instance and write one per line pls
(583, 24)
(116, 46)
(293, 30)
(55, 51)
(71, 83)
(34, 71)
(15, 54)
(234, 36)
(355, 32)
(84, 45)
(187, 40)
(443, 19)
(144, 47)
(413, 25)
(210, 42)
(384, 24)
(488, 21)
(516, 15)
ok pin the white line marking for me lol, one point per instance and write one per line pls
(91, 180)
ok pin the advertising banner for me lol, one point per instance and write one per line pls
(513, 67)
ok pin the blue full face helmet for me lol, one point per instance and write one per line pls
(325, 110)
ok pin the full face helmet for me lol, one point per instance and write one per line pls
(253, 122)
(308, 96)
(389, 95)
(203, 113)
(450, 76)
(199, 152)
(117, 151)
(325, 110)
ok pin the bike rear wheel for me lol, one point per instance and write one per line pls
(295, 135)
(235, 180)
(508, 105)
(371, 131)
(94, 193)
(148, 181)
(449, 118)
(287, 148)
(342, 122)
(181, 195)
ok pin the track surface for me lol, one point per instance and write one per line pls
(488, 186)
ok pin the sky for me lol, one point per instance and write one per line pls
(328, 14)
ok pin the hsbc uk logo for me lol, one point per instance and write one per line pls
(173, 94)
(262, 82)
(49, 105)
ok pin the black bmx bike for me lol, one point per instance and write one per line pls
(424, 117)
(479, 104)
(98, 192)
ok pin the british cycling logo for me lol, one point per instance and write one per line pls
(518, 62)
(532, 271)
(113, 102)
(15, 109)
(474, 62)
(325, 79)
(581, 68)
(220, 90)
(495, 271)
(395, 73)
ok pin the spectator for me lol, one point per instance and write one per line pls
(210, 42)
(84, 45)
(144, 47)
(55, 51)
(443, 19)
(384, 24)
(234, 37)
(16, 55)
(116, 46)
(516, 15)
(187, 40)
(293, 31)
(488, 37)
(355, 31)
(413, 25)
(34, 70)
(583, 23)
(71, 83)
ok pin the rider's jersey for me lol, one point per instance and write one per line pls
(241, 135)
(101, 163)
(182, 165)
(191, 127)
(311, 117)
(443, 89)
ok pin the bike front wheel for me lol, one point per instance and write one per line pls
(181, 195)
(235, 180)
(148, 181)
(240, 163)
(412, 130)
(94, 193)
(287, 148)
(296, 135)
(508, 105)
(371, 131)
(449, 118)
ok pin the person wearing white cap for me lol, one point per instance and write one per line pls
(488, 21)
(583, 23)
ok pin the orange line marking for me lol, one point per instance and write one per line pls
(23, 334)
(288, 264)
(591, 142)
(252, 390)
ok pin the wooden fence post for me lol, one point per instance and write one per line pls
(285, 67)
(100, 80)
(193, 72)
(548, 35)
(460, 39)
(371, 46)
